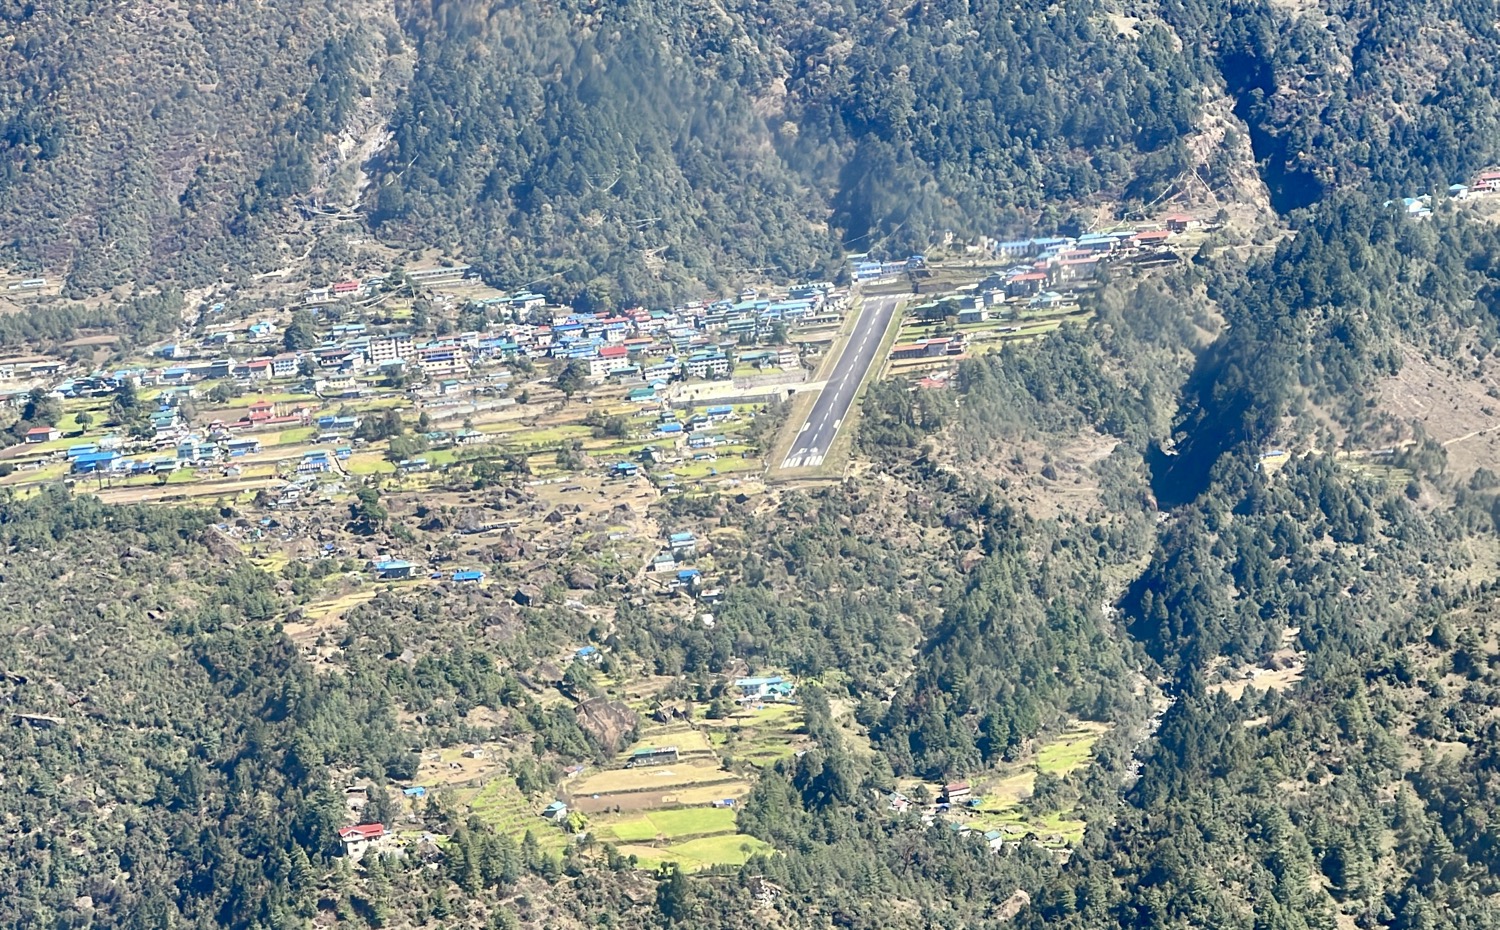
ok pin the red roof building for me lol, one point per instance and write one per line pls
(365, 831)
(956, 791)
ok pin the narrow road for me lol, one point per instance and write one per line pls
(816, 435)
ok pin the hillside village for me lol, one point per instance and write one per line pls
(305, 390)
(416, 434)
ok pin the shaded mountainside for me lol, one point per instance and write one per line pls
(1397, 98)
(642, 149)
(617, 148)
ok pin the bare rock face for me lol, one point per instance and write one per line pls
(1014, 904)
(608, 722)
(582, 580)
(219, 545)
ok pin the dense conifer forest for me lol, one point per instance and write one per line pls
(626, 151)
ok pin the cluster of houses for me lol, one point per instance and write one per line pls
(172, 445)
(1046, 262)
(1483, 184)
(959, 795)
(696, 340)
(674, 562)
(1044, 269)
(387, 569)
(756, 692)
(864, 268)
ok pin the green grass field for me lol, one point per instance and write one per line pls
(699, 854)
(368, 463)
(670, 825)
(730, 849)
(552, 435)
(1071, 750)
(291, 437)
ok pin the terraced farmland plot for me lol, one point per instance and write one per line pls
(669, 825)
(703, 853)
(501, 805)
(760, 737)
(1070, 750)
(686, 774)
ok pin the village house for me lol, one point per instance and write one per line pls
(98, 462)
(755, 690)
(315, 463)
(647, 756)
(610, 359)
(974, 312)
(926, 348)
(392, 569)
(285, 365)
(1179, 222)
(707, 365)
(359, 838)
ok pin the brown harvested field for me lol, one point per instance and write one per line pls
(732, 787)
(170, 492)
(655, 778)
(1460, 409)
(452, 767)
(105, 339)
(1264, 679)
(322, 616)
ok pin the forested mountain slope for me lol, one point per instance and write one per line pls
(1395, 98)
(164, 140)
(617, 143)
(633, 150)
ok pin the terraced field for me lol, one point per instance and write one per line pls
(695, 855)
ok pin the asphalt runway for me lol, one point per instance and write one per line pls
(829, 411)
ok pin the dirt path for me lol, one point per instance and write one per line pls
(1470, 435)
